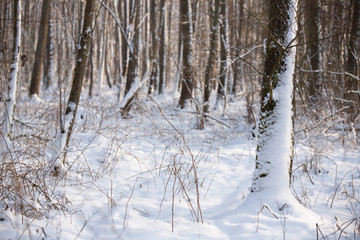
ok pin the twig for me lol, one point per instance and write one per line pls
(127, 204)
(208, 116)
(199, 213)
(268, 208)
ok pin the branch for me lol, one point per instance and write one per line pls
(330, 72)
(119, 25)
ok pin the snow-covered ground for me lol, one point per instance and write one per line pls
(134, 179)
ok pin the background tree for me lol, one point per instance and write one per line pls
(352, 94)
(224, 62)
(37, 72)
(312, 16)
(214, 16)
(79, 73)
(14, 69)
(186, 48)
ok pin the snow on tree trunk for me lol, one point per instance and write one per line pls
(12, 84)
(224, 65)
(275, 132)
(79, 73)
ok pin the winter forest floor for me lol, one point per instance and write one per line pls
(134, 178)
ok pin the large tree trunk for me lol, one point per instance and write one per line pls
(40, 49)
(274, 150)
(79, 73)
(186, 38)
(12, 84)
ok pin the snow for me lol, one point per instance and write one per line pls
(134, 178)
(121, 181)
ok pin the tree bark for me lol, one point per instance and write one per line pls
(212, 53)
(224, 43)
(312, 12)
(49, 74)
(14, 68)
(186, 38)
(162, 48)
(79, 73)
(352, 94)
(40, 49)
(154, 47)
(274, 150)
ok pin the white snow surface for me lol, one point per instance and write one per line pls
(121, 182)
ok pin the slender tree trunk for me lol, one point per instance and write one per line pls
(124, 47)
(162, 48)
(132, 78)
(212, 53)
(14, 69)
(79, 73)
(312, 12)
(352, 94)
(186, 38)
(49, 74)
(224, 43)
(132, 73)
(37, 72)
(154, 47)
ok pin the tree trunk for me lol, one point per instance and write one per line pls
(162, 48)
(49, 74)
(14, 68)
(40, 49)
(79, 73)
(132, 72)
(186, 38)
(154, 47)
(352, 94)
(224, 43)
(312, 12)
(275, 134)
(212, 53)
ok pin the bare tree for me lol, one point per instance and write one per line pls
(37, 72)
(162, 47)
(14, 69)
(224, 62)
(214, 11)
(186, 47)
(352, 94)
(312, 12)
(274, 150)
(79, 73)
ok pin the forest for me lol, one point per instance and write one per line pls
(179, 119)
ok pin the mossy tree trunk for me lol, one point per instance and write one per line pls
(275, 131)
